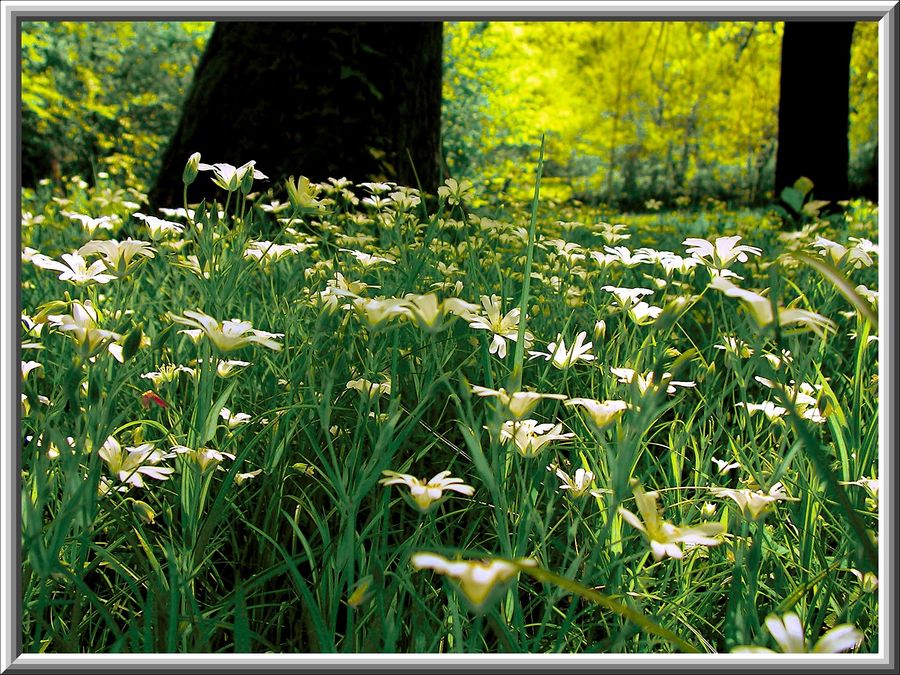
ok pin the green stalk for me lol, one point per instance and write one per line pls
(516, 378)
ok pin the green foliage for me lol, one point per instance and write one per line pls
(863, 102)
(633, 111)
(103, 96)
(251, 510)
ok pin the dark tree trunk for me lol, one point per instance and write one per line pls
(361, 100)
(814, 112)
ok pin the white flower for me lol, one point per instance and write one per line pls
(530, 437)
(430, 314)
(563, 358)
(234, 420)
(120, 258)
(626, 297)
(91, 224)
(722, 253)
(28, 366)
(664, 537)
(228, 335)
(476, 579)
(788, 632)
(517, 404)
(753, 503)
(579, 485)
(159, 227)
(131, 465)
(367, 260)
(82, 327)
(230, 178)
(74, 269)
(645, 381)
(426, 495)
(760, 308)
(205, 458)
(602, 413)
(453, 192)
(370, 389)
(504, 327)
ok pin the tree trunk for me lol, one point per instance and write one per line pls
(814, 112)
(361, 100)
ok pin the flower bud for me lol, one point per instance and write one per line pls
(191, 169)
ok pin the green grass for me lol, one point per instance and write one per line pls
(286, 541)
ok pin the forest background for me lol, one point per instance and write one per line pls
(636, 114)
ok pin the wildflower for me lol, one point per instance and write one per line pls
(601, 413)
(788, 632)
(204, 458)
(426, 495)
(241, 478)
(28, 366)
(228, 367)
(367, 260)
(378, 188)
(159, 227)
(868, 581)
(143, 510)
(645, 381)
(803, 396)
(339, 287)
(130, 465)
(723, 466)
(753, 503)
(379, 310)
(151, 397)
(664, 537)
(504, 328)
(772, 411)
(579, 485)
(191, 168)
(735, 346)
(89, 224)
(478, 580)
(854, 256)
(229, 178)
(74, 269)
(760, 308)
(302, 194)
(625, 257)
(719, 255)
(82, 327)
(370, 389)
(234, 420)
(228, 335)
(530, 437)
(120, 258)
(675, 263)
(167, 373)
(429, 314)
(613, 234)
(269, 252)
(455, 192)
(567, 250)
(563, 358)
(643, 314)
(518, 403)
(626, 297)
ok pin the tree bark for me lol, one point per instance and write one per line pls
(318, 99)
(814, 111)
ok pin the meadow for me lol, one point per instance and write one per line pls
(338, 417)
